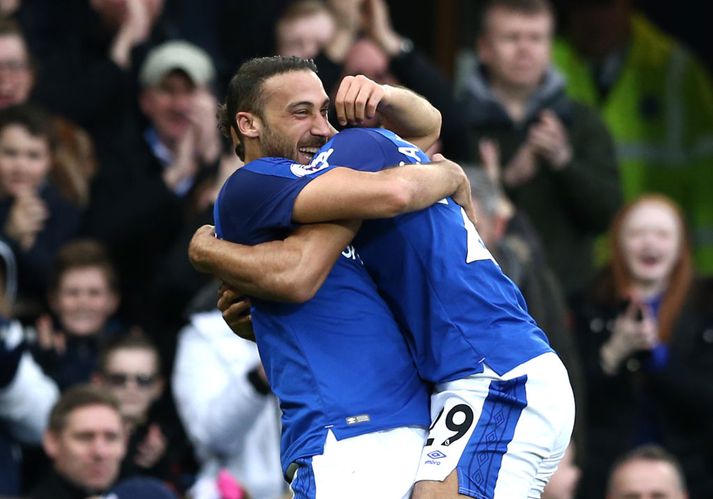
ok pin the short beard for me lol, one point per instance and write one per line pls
(275, 146)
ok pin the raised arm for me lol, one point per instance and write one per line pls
(346, 194)
(400, 110)
(291, 270)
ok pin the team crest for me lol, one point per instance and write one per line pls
(319, 162)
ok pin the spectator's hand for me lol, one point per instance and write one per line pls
(347, 14)
(26, 218)
(490, 158)
(358, 98)
(522, 167)
(49, 339)
(634, 330)
(462, 196)
(203, 118)
(202, 238)
(134, 28)
(236, 312)
(185, 164)
(151, 448)
(549, 140)
(377, 24)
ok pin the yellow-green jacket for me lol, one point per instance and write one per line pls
(660, 114)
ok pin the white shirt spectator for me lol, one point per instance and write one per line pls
(231, 424)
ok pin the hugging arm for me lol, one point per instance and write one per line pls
(290, 270)
(346, 194)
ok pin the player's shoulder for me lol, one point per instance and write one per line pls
(270, 167)
(367, 134)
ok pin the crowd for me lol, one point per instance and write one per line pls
(588, 148)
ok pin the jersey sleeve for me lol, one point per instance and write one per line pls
(255, 204)
(370, 149)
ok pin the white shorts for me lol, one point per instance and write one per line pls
(378, 465)
(504, 434)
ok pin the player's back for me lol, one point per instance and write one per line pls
(437, 276)
(337, 361)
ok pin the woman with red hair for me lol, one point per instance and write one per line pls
(645, 331)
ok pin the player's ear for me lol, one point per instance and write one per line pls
(248, 124)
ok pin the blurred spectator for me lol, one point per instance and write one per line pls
(557, 156)
(83, 297)
(356, 37)
(647, 471)
(563, 484)
(657, 100)
(26, 394)
(227, 407)
(74, 161)
(85, 440)
(34, 219)
(130, 369)
(174, 147)
(304, 28)
(645, 333)
(88, 53)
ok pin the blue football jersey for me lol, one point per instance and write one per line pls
(436, 274)
(338, 361)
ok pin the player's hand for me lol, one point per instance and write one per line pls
(236, 312)
(199, 246)
(358, 98)
(462, 196)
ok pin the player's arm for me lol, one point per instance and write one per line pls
(346, 194)
(400, 110)
(291, 270)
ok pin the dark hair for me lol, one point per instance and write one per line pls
(529, 7)
(649, 452)
(33, 119)
(245, 90)
(131, 341)
(75, 398)
(80, 254)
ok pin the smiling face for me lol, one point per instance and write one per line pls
(293, 122)
(651, 240)
(515, 46)
(84, 301)
(168, 106)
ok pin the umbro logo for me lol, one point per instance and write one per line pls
(436, 454)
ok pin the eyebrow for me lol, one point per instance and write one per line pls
(308, 104)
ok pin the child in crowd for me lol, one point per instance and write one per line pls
(83, 298)
(34, 219)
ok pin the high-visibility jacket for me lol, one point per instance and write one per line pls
(660, 114)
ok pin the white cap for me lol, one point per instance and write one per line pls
(174, 55)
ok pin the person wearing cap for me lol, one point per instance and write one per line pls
(171, 147)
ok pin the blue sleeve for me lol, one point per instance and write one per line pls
(370, 149)
(255, 204)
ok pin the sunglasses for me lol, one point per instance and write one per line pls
(121, 379)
